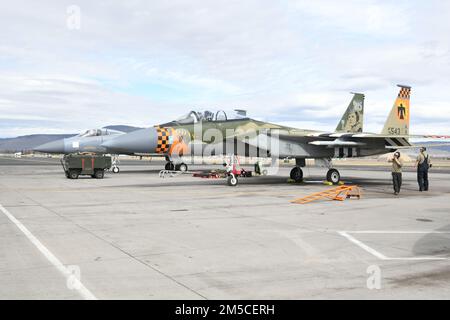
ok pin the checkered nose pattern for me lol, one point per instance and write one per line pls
(165, 136)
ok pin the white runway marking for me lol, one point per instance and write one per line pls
(397, 232)
(346, 234)
(77, 285)
(363, 246)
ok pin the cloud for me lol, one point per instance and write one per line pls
(141, 63)
(379, 18)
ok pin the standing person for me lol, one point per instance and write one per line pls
(397, 164)
(423, 164)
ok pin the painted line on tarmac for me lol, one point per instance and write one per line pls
(397, 232)
(346, 234)
(363, 246)
(77, 285)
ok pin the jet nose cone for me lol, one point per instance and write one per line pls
(140, 141)
(51, 147)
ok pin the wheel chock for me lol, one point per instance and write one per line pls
(293, 181)
(328, 183)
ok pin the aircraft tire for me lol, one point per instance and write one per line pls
(232, 180)
(333, 176)
(297, 174)
(182, 167)
(169, 166)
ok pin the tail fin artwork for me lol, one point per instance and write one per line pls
(398, 121)
(352, 120)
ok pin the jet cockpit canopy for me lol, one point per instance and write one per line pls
(196, 116)
(98, 132)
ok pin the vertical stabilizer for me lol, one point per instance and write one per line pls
(352, 120)
(398, 121)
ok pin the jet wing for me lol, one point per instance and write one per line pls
(391, 141)
(417, 146)
(372, 135)
(409, 136)
(334, 139)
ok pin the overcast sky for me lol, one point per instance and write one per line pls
(291, 62)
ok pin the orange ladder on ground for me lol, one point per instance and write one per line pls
(339, 193)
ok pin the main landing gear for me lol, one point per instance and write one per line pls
(176, 167)
(297, 174)
(333, 175)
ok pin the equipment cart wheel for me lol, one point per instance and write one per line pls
(99, 174)
(333, 176)
(232, 180)
(73, 174)
(115, 169)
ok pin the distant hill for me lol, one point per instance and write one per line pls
(440, 152)
(443, 148)
(27, 143)
(437, 148)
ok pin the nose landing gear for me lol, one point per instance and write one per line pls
(115, 164)
(181, 167)
(169, 166)
(178, 167)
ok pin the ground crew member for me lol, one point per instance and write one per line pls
(423, 164)
(397, 165)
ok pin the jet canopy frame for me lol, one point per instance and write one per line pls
(98, 133)
(209, 116)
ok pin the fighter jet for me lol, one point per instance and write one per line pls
(89, 141)
(207, 133)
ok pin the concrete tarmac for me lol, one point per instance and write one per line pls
(134, 235)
